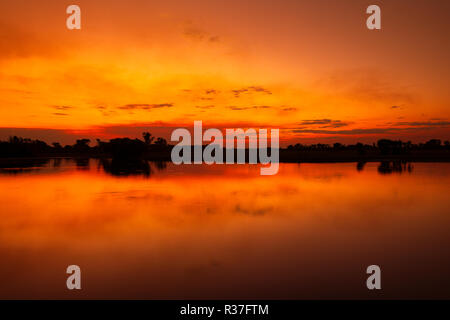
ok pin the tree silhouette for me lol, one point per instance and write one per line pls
(82, 145)
(148, 138)
(161, 142)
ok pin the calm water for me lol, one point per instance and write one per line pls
(224, 231)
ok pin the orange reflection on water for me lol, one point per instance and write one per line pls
(225, 232)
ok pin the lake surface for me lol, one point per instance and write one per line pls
(197, 231)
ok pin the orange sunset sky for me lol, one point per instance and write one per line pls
(310, 68)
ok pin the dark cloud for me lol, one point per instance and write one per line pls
(325, 123)
(424, 124)
(248, 108)
(145, 106)
(287, 109)
(105, 111)
(237, 92)
(211, 91)
(62, 107)
(347, 132)
(280, 109)
(237, 108)
(406, 127)
(252, 211)
(60, 114)
(309, 122)
(260, 89)
(251, 89)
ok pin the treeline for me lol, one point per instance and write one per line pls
(383, 146)
(118, 148)
(382, 150)
(156, 148)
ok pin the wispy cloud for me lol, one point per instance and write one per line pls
(145, 106)
(62, 107)
(196, 33)
(348, 132)
(404, 127)
(324, 123)
(424, 124)
(287, 109)
(248, 108)
(106, 111)
(252, 89)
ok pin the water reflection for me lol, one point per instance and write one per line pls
(388, 167)
(360, 165)
(126, 167)
(137, 167)
(82, 163)
(24, 165)
(57, 162)
(193, 232)
(114, 167)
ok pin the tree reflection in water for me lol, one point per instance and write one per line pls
(397, 166)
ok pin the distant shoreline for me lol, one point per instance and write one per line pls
(127, 152)
(286, 156)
